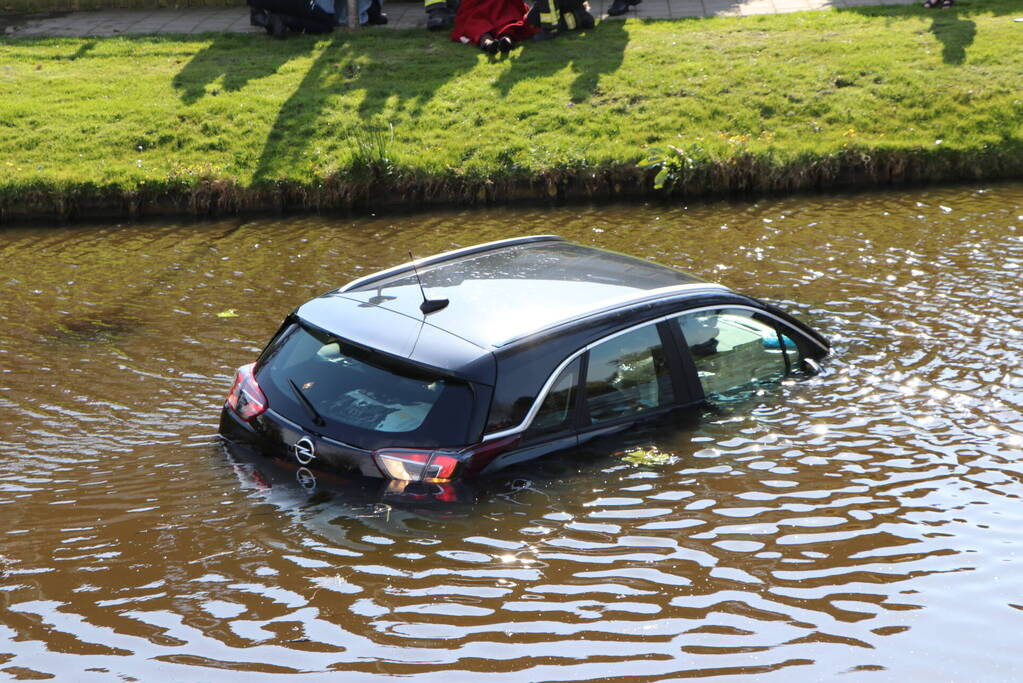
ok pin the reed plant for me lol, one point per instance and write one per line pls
(222, 123)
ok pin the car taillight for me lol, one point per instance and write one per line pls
(245, 397)
(479, 456)
(414, 464)
(410, 464)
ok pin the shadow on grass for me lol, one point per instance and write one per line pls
(220, 59)
(590, 54)
(83, 49)
(955, 35)
(383, 75)
(953, 26)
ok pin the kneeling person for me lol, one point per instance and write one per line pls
(557, 16)
(309, 16)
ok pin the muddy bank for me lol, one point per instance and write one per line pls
(375, 189)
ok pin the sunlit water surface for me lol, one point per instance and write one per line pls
(865, 522)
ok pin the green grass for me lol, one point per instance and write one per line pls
(224, 122)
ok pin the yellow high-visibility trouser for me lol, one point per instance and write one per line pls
(550, 15)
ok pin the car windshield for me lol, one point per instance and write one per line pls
(363, 398)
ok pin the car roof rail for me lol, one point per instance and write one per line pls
(620, 304)
(446, 256)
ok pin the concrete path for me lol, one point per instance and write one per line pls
(401, 15)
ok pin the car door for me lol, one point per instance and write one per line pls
(736, 350)
(553, 427)
(630, 376)
(604, 388)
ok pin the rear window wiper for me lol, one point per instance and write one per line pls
(307, 404)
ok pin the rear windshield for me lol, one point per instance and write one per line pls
(365, 399)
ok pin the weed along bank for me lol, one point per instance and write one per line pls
(215, 124)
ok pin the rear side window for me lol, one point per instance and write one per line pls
(556, 410)
(366, 399)
(735, 352)
(628, 374)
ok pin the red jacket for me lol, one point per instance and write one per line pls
(496, 17)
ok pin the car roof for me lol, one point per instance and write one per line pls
(507, 291)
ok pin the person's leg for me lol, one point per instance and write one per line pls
(258, 16)
(278, 16)
(306, 17)
(575, 15)
(370, 12)
(438, 15)
(545, 14)
(305, 24)
(293, 7)
(375, 13)
(619, 7)
(268, 14)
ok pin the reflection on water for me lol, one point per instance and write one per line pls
(866, 521)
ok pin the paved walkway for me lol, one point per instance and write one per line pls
(402, 15)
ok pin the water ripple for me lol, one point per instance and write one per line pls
(864, 521)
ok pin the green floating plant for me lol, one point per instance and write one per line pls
(648, 456)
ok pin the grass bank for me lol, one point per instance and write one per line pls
(226, 123)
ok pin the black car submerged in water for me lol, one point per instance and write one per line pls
(459, 364)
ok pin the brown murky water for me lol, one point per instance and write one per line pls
(867, 521)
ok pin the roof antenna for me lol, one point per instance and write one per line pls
(429, 305)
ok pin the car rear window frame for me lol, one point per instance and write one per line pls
(370, 439)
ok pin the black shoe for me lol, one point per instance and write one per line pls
(276, 27)
(375, 15)
(259, 17)
(545, 34)
(488, 44)
(619, 7)
(584, 20)
(504, 44)
(439, 18)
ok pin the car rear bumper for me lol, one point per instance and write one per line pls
(279, 437)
